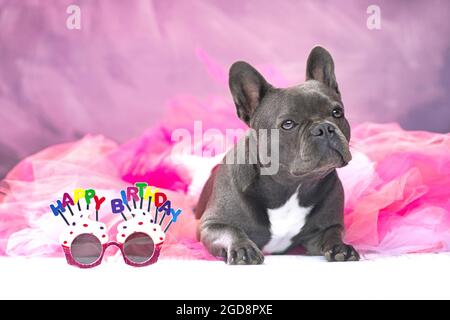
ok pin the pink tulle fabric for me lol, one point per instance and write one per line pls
(397, 187)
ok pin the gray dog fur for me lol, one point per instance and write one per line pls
(242, 211)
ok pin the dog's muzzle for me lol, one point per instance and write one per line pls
(327, 133)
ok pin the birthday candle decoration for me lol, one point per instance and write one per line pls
(139, 193)
(166, 211)
(124, 199)
(98, 203)
(67, 201)
(156, 214)
(149, 209)
(132, 193)
(162, 218)
(117, 207)
(134, 206)
(149, 204)
(141, 186)
(64, 218)
(174, 215)
(89, 195)
(160, 200)
(168, 225)
(70, 209)
(58, 210)
(166, 207)
(77, 195)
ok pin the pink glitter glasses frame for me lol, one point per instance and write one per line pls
(153, 258)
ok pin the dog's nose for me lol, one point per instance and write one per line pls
(324, 130)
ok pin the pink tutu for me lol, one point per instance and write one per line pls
(397, 188)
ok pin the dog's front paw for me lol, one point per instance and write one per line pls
(341, 252)
(244, 252)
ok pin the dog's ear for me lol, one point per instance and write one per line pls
(248, 87)
(320, 67)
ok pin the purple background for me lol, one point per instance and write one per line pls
(117, 75)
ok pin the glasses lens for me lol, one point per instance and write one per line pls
(139, 247)
(86, 249)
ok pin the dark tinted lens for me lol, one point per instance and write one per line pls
(139, 247)
(86, 249)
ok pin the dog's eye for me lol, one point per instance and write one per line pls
(288, 124)
(338, 112)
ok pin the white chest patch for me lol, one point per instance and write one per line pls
(285, 222)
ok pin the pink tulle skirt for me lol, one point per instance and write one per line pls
(397, 189)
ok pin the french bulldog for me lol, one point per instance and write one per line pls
(243, 213)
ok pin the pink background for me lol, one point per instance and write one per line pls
(132, 59)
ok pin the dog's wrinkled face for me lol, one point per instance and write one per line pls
(313, 131)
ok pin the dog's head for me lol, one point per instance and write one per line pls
(313, 131)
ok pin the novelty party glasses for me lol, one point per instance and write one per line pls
(138, 250)
(139, 238)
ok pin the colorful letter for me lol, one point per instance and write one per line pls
(59, 207)
(160, 198)
(124, 197)
(165, 207)
(67, 199)
(78, 194)
(175, 214)
(150, 192)
(117, 206)
(98, 202)
(132, 192)
(89, 194)
(141, 186)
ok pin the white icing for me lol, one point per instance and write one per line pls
(140, 223)
(83, 224)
